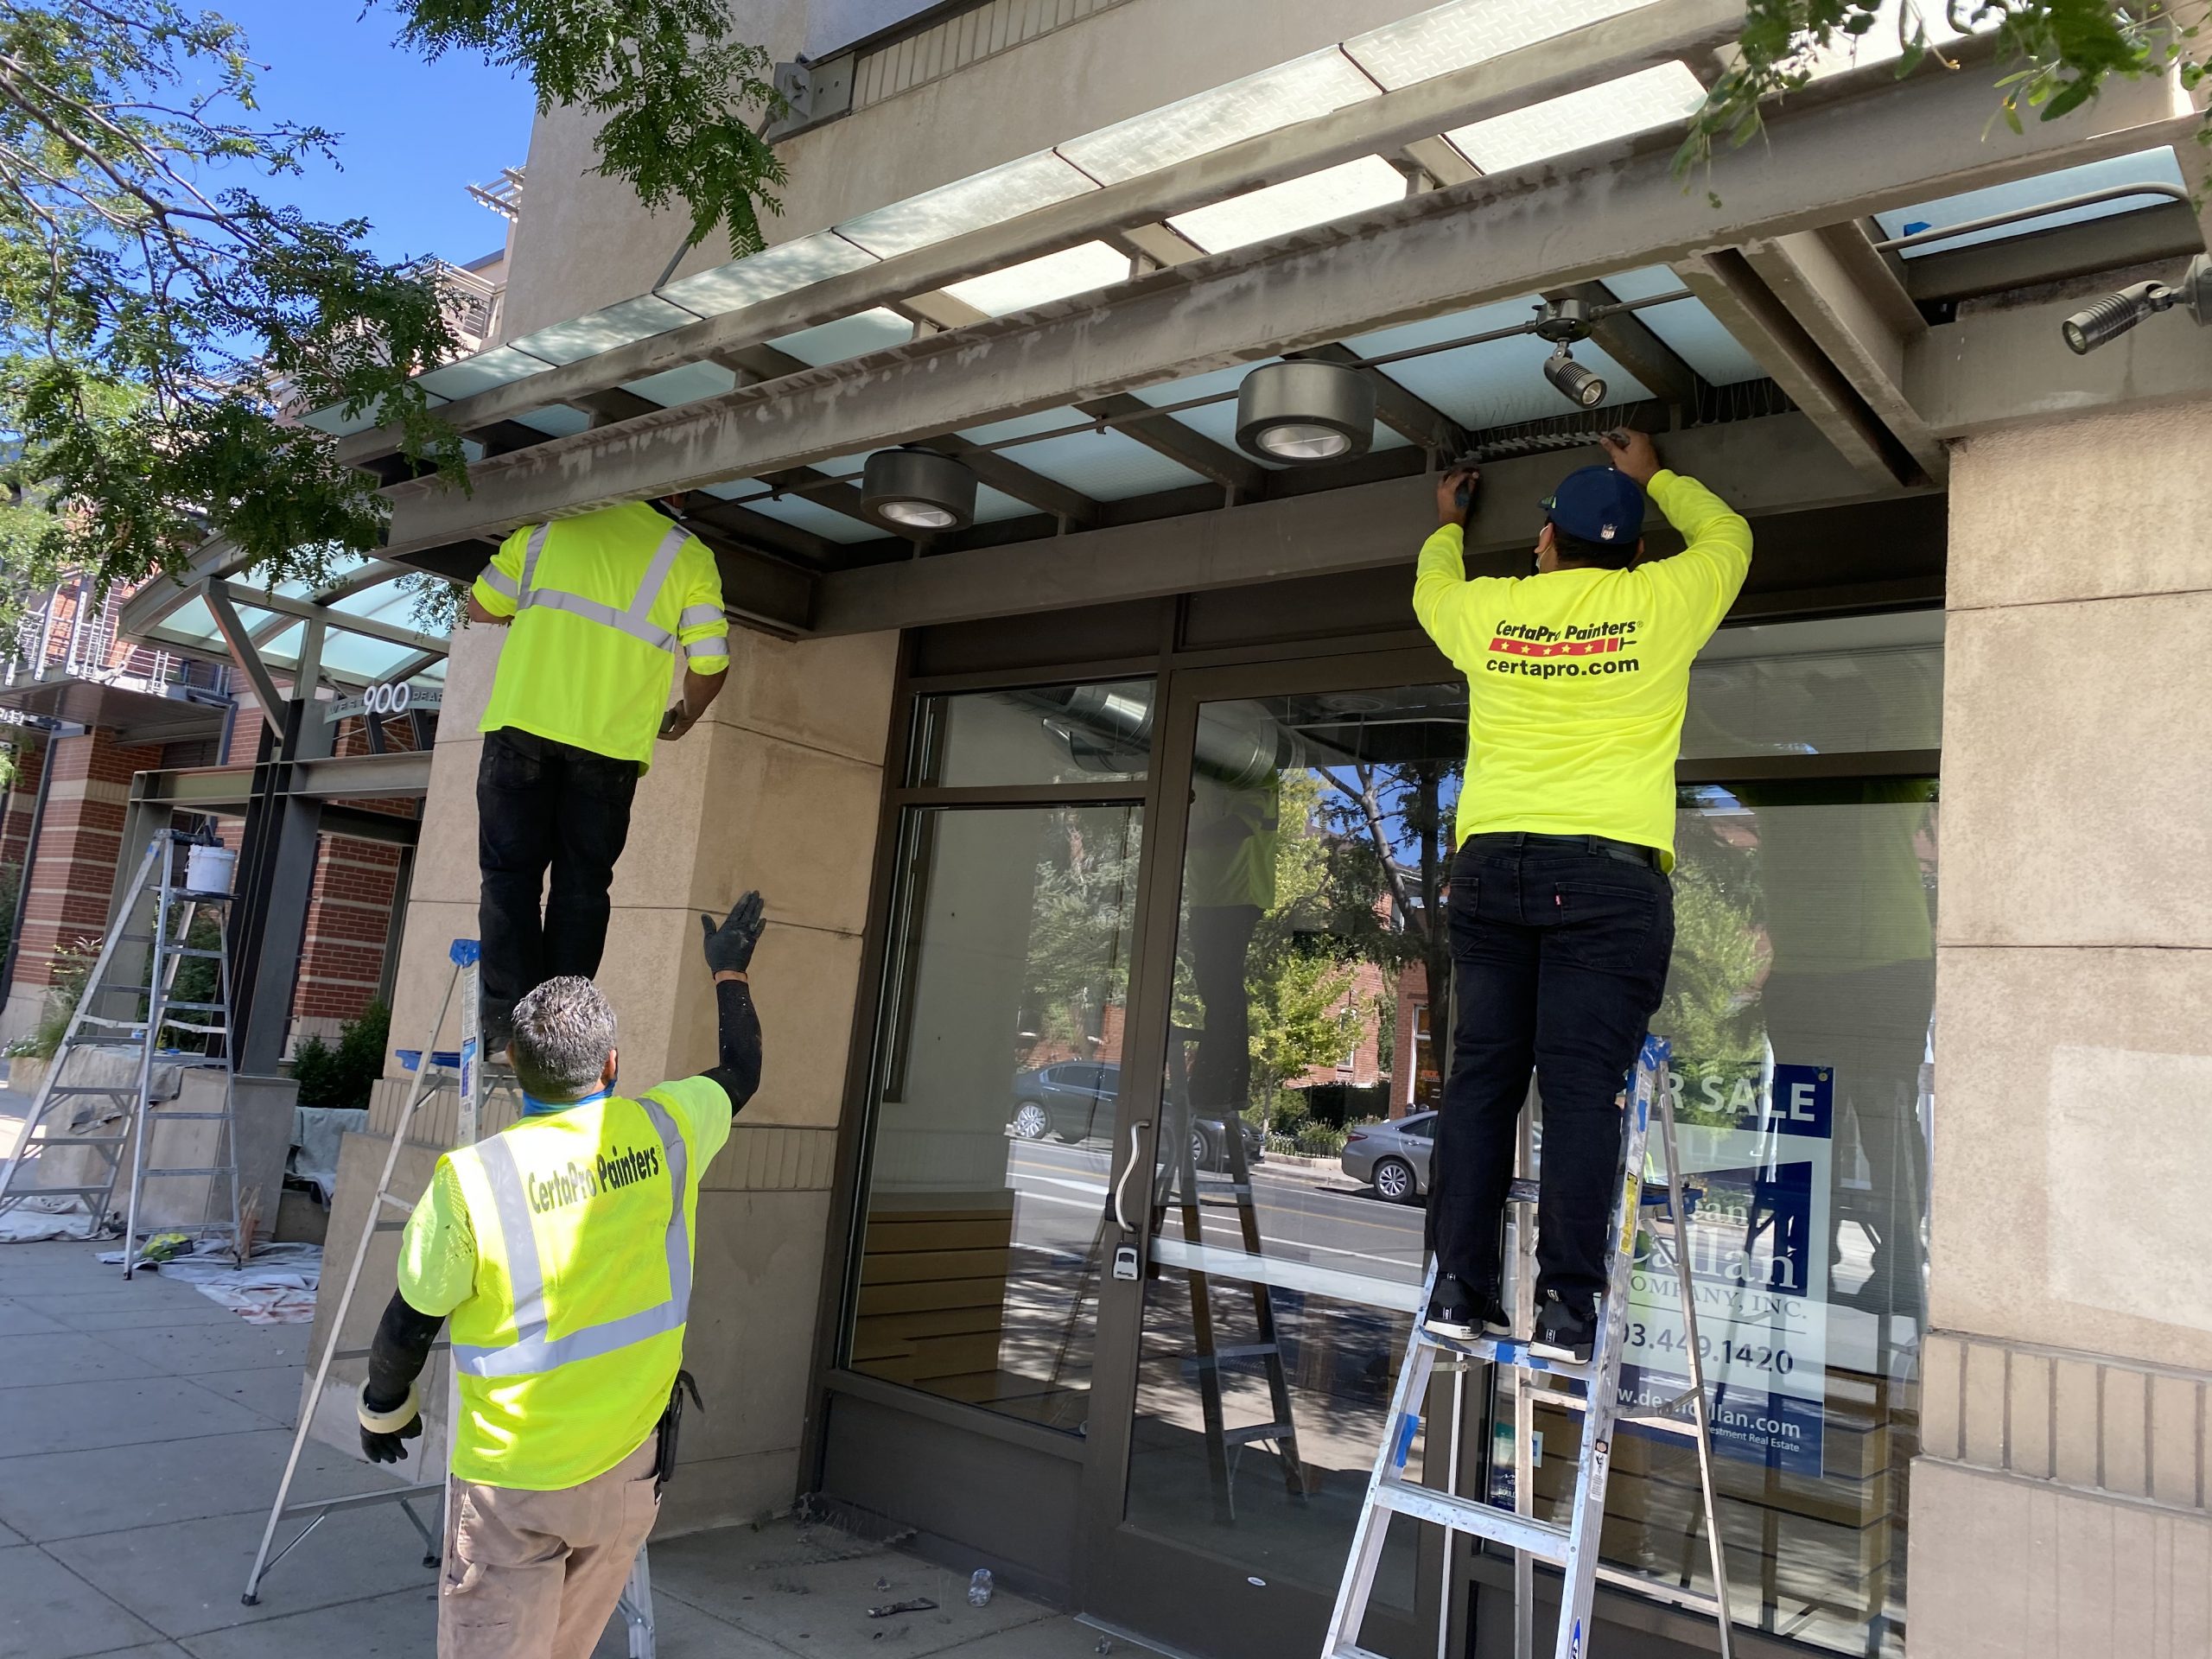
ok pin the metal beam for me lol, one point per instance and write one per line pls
(1440, 252)
(1757, 466)
(1186, 445)
(611, 404)
(765, 593)
(1726, 284)
(2166, 232)
(1010, 477)
(1569, 62)
(759, 530)
(245, 654)
(2006, 367)
(1841, 294)
(308, 611)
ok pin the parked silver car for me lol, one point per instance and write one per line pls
(1393, 1157)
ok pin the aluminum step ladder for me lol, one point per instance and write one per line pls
(1574, 1547)
(387, 1212)
(117, 1011)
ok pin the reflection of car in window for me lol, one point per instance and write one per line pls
(1392, 1158)
(1074, 1101)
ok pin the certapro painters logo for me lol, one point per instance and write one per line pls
(577, 1183)
(1512, 643)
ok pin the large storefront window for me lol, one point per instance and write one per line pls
(998, 1062)
(1799, 1006)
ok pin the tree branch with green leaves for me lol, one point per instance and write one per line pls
(2060, 52)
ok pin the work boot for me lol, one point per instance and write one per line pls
(1564, 1331)
(1462, 1312)
(496, 1029)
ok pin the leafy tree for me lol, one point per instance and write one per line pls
(2062, 51)
(1083, 911)
(1302, 1013)
(160, 315)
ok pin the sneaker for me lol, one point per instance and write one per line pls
(1563, 1333)
(1463, 1313)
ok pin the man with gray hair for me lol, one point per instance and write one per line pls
(562, 1250)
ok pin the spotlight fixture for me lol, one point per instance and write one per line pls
(2108, 318)
(1303, 411)
(1578, 383)
(918, 489)
(1563, 322)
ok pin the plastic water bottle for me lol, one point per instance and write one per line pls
(979, 1588)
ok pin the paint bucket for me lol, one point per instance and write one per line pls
(209, 869)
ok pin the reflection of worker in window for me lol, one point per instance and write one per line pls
(1854, 978)
(1229, 882)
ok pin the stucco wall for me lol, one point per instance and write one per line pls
(583, 242)
(2067, 1384)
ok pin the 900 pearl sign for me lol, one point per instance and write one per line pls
(386, 699)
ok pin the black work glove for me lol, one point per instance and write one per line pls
(730, 947)
(386, 1445)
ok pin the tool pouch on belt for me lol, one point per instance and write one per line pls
(670, 1421)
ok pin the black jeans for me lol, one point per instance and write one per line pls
(542, 804)
(1558, 957)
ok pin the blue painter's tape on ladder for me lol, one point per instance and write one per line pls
(464, 953)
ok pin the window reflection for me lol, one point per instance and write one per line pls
(1278, 1310)
(997, 1082)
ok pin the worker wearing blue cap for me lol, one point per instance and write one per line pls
(1561, 916)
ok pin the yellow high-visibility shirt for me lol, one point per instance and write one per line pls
(607, 606)
(563, 1247)
(1577, 680)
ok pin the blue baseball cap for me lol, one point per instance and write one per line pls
(1599, 505)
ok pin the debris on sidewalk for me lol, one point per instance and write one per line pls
(916, 1605)
(277, 1286)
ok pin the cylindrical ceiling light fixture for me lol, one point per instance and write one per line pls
(917, 490)
(1303, 412)
(1576, 382)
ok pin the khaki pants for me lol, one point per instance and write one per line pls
(533, 1575)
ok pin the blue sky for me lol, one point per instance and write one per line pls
(413, 135)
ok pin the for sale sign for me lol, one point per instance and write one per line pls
(1758, 1145)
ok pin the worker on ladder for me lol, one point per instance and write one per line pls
(603, 609)
(1561, 915)
(561, 1248)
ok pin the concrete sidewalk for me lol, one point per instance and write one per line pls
(143, 1429)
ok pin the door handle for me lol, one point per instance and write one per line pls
(1119, 1214)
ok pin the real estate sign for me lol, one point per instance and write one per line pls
(1760, 1147)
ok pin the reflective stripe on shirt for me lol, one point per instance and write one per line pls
(535, 1349)
(636, 620)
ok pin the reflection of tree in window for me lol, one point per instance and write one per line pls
(1078, 969)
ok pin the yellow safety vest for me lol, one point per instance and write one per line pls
(605, 606)
(583, 1223)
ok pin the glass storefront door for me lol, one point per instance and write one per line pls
(1166, 951)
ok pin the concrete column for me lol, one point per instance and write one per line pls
(2059, 1505)
(778, 789)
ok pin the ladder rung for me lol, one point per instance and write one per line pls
(161, 1116)
(396, 1202)
(213, 1169)
(362, 1353)
(58, 1192)
(126, 1090)
(1477, 1519)
(196, 1008)
(1353, 1651)
(1677, 1595)
(1244, 1351)
(191, 950)
(1257, 1432)
(1507, 1350)
(73, 1140)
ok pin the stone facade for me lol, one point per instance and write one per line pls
(2059, 1502)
